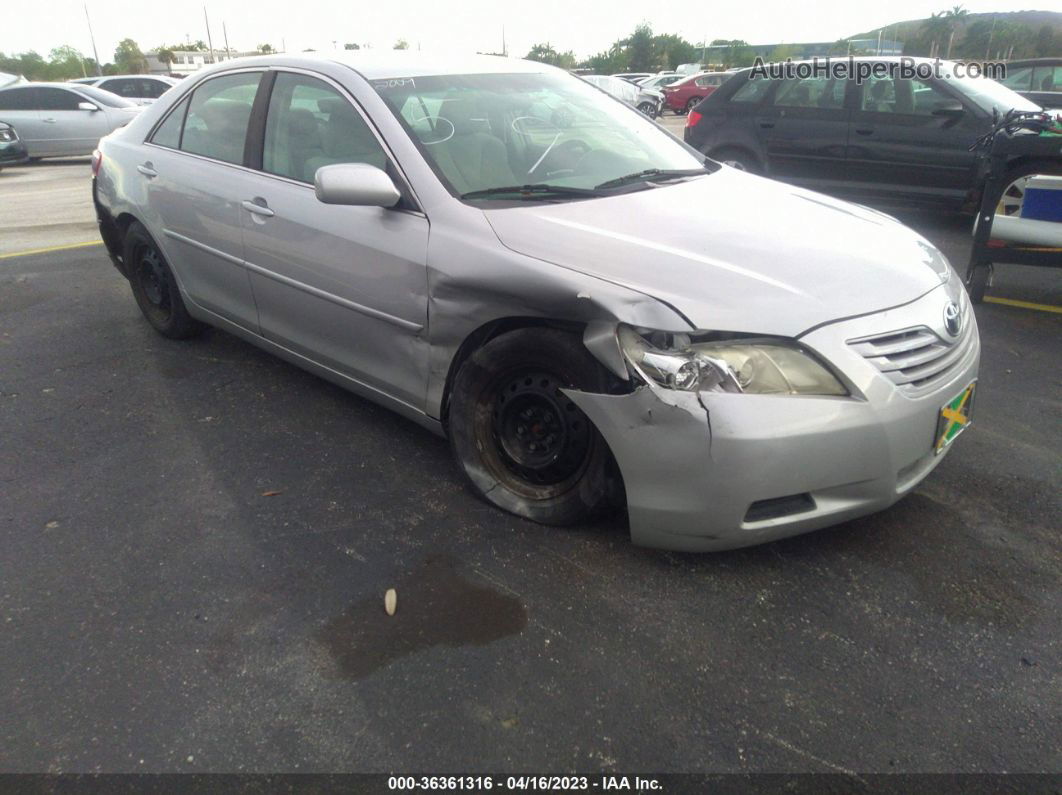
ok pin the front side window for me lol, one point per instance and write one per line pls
(1018, 79)
(57, 99)
(153, 89)
(1047, 78)
(309, 125)
(123, 87)
(908, 97)
(218, 115)
(487, 131)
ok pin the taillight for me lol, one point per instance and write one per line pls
(692, 118)
(97, 160)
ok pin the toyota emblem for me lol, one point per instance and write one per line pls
(952, 319)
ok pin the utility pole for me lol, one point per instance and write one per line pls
(225, 33)
(988, 47)
(210, 42)
(92, 38)
(505, 51)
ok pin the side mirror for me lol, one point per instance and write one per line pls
(87, 106)
(356, 184)
(951, 109)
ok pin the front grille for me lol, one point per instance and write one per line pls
(915, 358)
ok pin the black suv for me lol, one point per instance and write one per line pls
(1037, 79)
(895, 142)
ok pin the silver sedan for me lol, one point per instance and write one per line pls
(60, 119)
(591, 312)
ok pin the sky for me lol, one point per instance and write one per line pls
(586, 27)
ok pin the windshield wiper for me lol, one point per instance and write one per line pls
(654, 173)
(538, 190)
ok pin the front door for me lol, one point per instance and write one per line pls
(344, 286)
(68, 129)
(909, 139)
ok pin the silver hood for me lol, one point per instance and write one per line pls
(733, 252)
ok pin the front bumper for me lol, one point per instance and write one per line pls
(12, 153)
(714, 471)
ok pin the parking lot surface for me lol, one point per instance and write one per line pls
(197, 538)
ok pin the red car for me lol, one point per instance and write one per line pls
(682, 96)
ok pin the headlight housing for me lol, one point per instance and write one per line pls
(754, 366)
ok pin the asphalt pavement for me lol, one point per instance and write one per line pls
(196, 539)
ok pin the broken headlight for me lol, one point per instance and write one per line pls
(754, 366)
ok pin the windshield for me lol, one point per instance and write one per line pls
(488, 131)
(106, 97)
(989, 94)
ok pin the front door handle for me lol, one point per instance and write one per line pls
(148, 170)
(767, 125)
(258, 207)
(863, 131)
(48, 121)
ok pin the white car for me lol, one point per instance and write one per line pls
(141, 89)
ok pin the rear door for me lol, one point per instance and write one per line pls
(906, 142)
(194, 178)
(803, 127)
(19, 108)
(343, 286)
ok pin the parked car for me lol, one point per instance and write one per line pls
(682, 95)
(894, 142)
(647, 100)
(633, 77)
(583, 305)
(12, 150)
(1038, 80)
(657, 82)
(60, 119)
(139, 89)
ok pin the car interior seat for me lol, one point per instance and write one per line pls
(472, 158)
(345, 138)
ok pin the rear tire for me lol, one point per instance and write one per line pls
(694, 102)
(737, 158)
(155, 287)
(523, 445)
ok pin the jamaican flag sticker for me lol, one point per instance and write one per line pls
(954, 418)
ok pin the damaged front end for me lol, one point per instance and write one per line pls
(719, 435)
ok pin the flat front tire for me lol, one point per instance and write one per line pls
(155, 287)
(522, 443)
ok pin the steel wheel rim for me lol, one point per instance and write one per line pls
(1013, 196)
(539, 434)
(154, 281)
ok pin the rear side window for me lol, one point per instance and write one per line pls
(813, 92)
(168, 133)
(752, 91)
(217, 119)
(309, 125)
(18, 99)
(1047, 78)
(153, 89)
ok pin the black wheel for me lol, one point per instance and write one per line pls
(977, 282)
(523, 444)
(649, 109)
(1015, 180)
(737, 158)
(154, 287)
(694, 102)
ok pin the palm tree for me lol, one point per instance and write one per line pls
(935, 29)
(956, 16)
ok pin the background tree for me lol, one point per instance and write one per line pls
(956, 17)
(129, 59)
(670, 50)
(65, 63)
(166, 56)
(639, 47)
(936, 29)
(544, 53)
(401, 44)
(351, 46)
(265, 49)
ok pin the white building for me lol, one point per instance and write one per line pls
(185, 62)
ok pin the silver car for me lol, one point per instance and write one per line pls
(647, 100)
(59, 119)
(138, 89)
(590, 311)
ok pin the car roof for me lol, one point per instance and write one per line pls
(378, 64)
(154, 77)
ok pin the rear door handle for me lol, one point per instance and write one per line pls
(258, 207)
(48, 121)
(863, 131)
(767, 124)
(148, 170)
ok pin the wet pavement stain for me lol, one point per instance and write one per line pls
(436, 607)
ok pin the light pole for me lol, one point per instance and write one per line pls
(92, 38)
